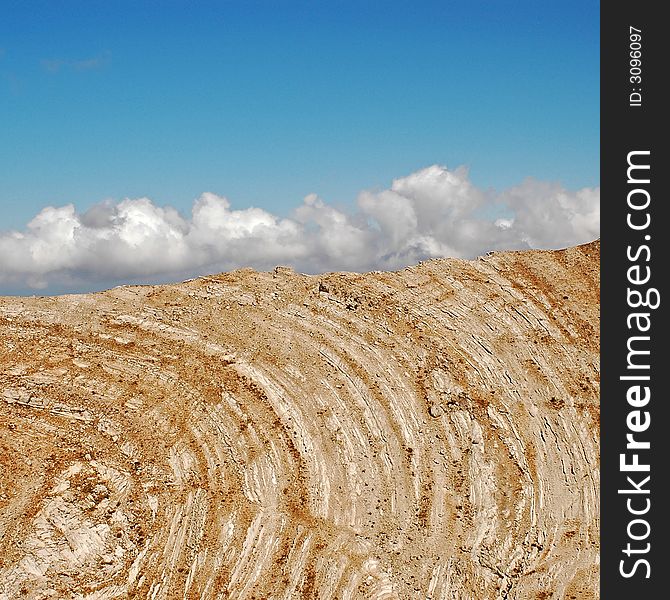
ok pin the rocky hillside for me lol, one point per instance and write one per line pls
(427, 433)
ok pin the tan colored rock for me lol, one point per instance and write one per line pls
(428, 433)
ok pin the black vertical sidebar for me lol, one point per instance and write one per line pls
(634, 192)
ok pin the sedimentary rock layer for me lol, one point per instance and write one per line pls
(427, 433)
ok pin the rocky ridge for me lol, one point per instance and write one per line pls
(426, 433)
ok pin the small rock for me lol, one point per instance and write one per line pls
(283, 270)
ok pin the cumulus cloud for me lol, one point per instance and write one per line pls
(434, 212)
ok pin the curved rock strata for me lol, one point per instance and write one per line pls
(427, 433)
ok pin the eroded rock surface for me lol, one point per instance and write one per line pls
(428, 433)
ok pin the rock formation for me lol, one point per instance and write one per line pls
(426, 433)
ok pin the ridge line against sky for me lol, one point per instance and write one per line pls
(266, 102)
(430, 213)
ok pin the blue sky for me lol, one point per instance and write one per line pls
(266, 102)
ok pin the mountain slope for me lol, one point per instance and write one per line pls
(427, 433)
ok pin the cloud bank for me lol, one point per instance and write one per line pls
(434, 212)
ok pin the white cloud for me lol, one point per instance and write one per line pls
(55, 65)
(433, 212)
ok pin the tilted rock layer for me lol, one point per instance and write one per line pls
(427, 433)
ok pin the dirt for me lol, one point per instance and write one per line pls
(429, 433)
